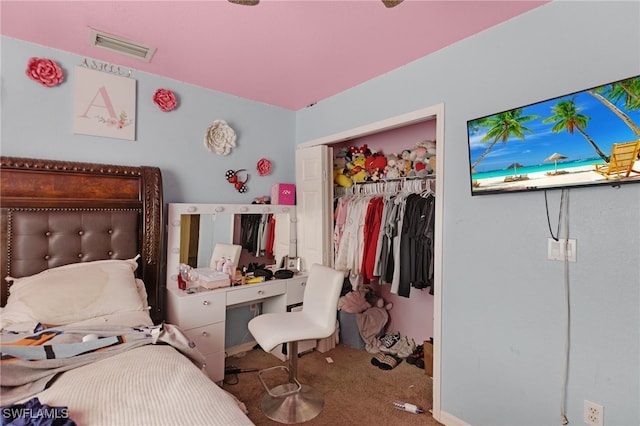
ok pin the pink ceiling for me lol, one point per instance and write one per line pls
(284, 53)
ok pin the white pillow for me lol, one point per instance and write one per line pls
(73, 293)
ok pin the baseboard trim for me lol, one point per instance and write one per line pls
(451, 420)
(238, 349)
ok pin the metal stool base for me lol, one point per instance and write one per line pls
(295, 408)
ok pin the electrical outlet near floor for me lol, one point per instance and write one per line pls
(593, 413)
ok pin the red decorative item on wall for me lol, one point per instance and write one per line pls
(44, 71)
(233, 178)
(165, 99)
(263, 167)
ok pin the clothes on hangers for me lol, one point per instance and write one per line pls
(389, 237)
(257, 233)
(416, 244)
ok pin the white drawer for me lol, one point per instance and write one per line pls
(209, 338)
(214, 366)
(195, 310)
(252, 292)
(295, 290)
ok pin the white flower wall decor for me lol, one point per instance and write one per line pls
(220, 138)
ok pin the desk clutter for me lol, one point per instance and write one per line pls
(224, 274)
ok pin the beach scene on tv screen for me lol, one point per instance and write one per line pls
(585, 138)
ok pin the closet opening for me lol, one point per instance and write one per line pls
(317, 193)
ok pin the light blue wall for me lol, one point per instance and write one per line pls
(503, 303)
(502, 318)
(37, 123)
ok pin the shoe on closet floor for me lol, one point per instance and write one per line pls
(377, 359)
(389, 362)
(417, 355)
(388, 340)
(403, 347)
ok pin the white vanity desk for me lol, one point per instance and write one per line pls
(202, 315)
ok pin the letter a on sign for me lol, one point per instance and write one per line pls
(104, 104)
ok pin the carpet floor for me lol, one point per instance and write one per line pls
(356, 392)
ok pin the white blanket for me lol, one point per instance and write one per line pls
(150, 385)
(133, 383)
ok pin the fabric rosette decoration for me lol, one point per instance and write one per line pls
(263, 167)
(165, 99)
(220, 138)
(44, 71)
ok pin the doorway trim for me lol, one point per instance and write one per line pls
(433, 112)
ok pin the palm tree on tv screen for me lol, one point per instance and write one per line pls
(502, 127)
(567, 117)
(627, 91)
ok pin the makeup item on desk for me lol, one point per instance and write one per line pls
(408, 407)
(255, 280)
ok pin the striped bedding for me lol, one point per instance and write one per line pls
(134, 381)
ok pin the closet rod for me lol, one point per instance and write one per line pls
(412, 184)
(400, 179)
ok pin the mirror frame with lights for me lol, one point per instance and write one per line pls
(174, 221)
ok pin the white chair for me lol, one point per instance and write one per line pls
(293, 402)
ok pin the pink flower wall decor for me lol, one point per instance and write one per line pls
(263, 166)
(165, 99)
(44, 71)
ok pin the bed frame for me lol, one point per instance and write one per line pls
(53, 213)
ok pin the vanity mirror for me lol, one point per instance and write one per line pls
(194, 229)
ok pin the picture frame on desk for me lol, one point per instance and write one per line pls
(292, 263)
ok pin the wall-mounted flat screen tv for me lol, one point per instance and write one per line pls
(584, 138)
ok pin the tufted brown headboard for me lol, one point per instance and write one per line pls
(53, 213)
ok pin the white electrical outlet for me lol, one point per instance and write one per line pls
(556, 249)
(593, 413)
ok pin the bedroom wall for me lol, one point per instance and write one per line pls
(502, 300)
(37, 122)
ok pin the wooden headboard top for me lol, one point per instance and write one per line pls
(58, 212)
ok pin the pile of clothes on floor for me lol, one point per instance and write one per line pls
(394, 348)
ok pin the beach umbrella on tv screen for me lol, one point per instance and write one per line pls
(555, 157)
(514, 166)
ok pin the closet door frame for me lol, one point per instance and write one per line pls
(435, 112)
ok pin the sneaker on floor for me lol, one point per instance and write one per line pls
(403, 347)
(388, 340)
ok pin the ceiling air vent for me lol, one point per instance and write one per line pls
(121, 45)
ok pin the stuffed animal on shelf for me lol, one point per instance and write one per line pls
(357, 165)
(404, 163)
(375, 164)
(342, 179)
(419, 157)
(341, 174)
(391, 169)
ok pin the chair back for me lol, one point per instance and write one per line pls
(321, 294)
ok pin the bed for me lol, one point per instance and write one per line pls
(82, 331)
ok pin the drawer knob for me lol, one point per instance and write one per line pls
(205, 303)
(205, 334)
(260, 292)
